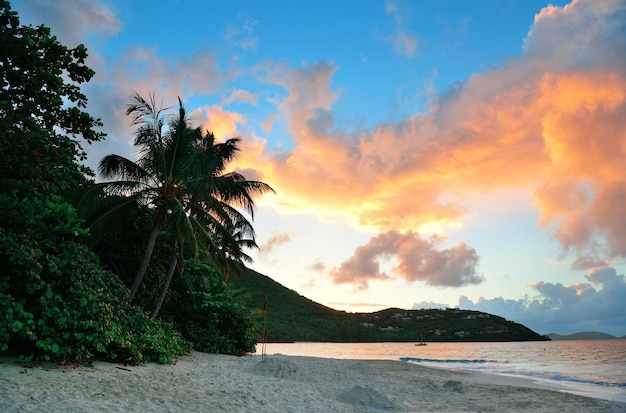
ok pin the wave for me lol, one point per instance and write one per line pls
(498, 367)
(465, 361)
(565, 378)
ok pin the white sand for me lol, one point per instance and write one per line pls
(216, 383)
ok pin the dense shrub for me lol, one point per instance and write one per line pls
(207, 312)
(56, 300)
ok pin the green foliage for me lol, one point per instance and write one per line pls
(205, 311)
(181, 174)
(217, 324)
(55, 299)
(58, 303)
(199, 304)
(291, 317)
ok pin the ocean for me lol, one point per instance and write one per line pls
(594, 368)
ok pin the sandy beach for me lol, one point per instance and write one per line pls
(217, 383)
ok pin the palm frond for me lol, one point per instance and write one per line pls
(110, 213)
(116, 166)
(181, 172)
(234, 188)
(144, 111)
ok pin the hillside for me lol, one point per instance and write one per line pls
(292, 317)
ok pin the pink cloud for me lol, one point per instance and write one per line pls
(241, 96)
(553, 121)
(275, 240)
(417, 258)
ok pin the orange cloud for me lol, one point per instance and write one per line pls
(555, 125)
(222, 123)
(584, 129)
(418, 171)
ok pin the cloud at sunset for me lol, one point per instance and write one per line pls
(223, 124)
(275, 240)
(418, 259)
(404, 42)
(242, 35)
(552, 121)
(241, 96)
(554, 127)
(596, 305)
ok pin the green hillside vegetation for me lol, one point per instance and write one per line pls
(292, 317)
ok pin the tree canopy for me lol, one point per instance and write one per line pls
(181, 174)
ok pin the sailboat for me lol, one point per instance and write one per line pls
(421, 343)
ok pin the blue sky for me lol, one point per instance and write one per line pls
(424, 154)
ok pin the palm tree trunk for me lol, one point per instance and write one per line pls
(146, 260)
(166, 286)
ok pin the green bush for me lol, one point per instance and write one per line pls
(217, 324)
(206, 312)
(57, 301)
(198, 303)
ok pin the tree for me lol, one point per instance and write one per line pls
(41, 116)
(182, 175)
(55, 299)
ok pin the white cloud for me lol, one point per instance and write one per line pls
(404, 42)
(71, 20)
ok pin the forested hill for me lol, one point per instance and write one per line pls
(292, 317)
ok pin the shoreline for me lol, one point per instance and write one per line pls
(220, 383)
(611, 394)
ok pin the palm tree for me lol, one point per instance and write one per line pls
(181, 174)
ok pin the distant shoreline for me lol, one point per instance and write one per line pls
(584, 335)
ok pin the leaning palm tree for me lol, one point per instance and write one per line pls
(182, 175)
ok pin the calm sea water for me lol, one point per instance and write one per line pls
(595, 368)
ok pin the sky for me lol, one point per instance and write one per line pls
(465, 154)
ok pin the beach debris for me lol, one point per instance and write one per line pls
(368, 397)
(454, 385)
